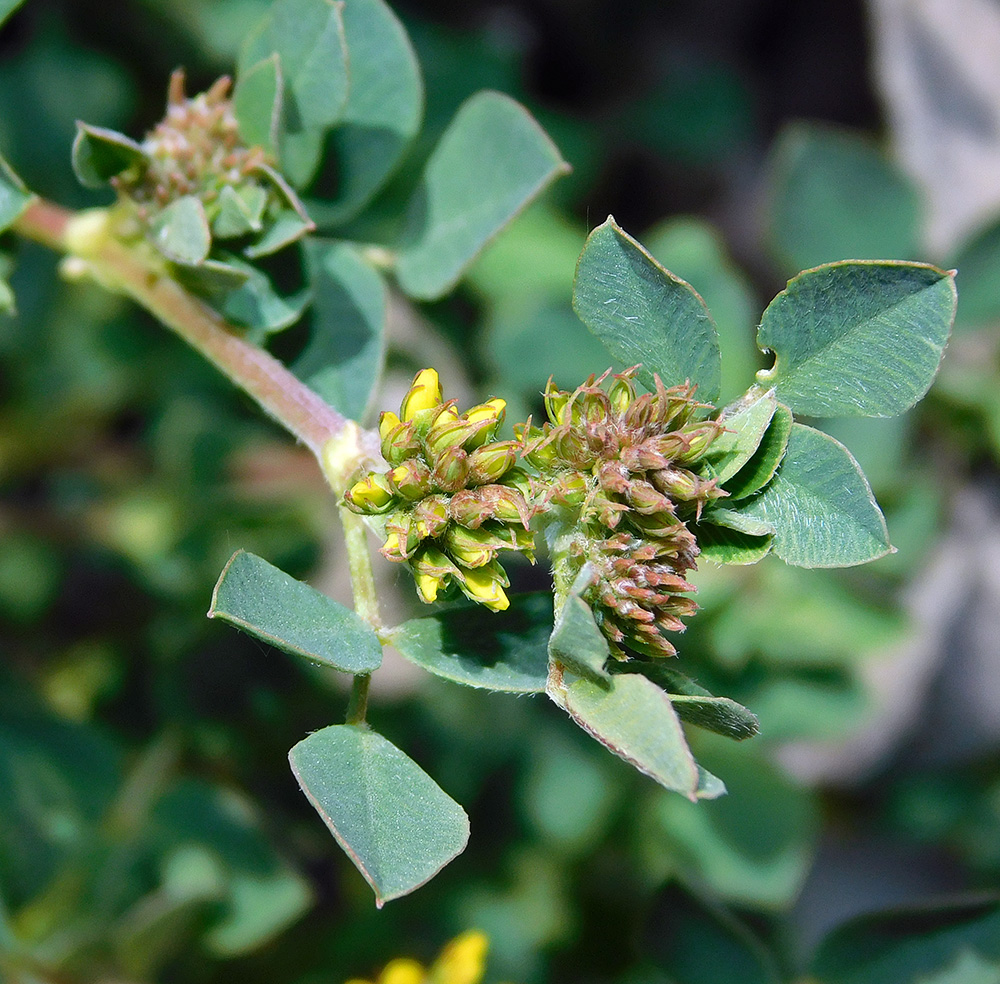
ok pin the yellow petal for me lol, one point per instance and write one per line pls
(402, 971)
(481, 584)
(424, 394)
(462, 961)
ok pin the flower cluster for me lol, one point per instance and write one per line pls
(625, 467)
(453, 497)
(194, 170)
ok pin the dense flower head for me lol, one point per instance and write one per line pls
(625, 469)
(453, 496)
(197, 155)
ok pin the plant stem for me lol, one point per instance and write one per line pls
(118, 267)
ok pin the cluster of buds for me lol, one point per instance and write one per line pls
(195, 169)
(453, 497)
(626, 469)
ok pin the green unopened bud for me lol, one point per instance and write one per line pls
(424, 394)
(411, 480)
(470, 508)
(509, 505)
(681, 484)
(372, 495)
(447, 432)
(398, 439)
(555, 402)
(699, 437)
(473, 548)
(621, 394)
(485, 585)
(569, 489)
(451, 472)
(430, 516)
(490, 462)
(539, 446)
(644, 498)
(519, 479)
(488, 417)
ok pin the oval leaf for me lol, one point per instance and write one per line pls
(14, 197)
(915, 945)
(258, 598)
(495, 651)
(858, 338)
(760, 469)
(257, 102)
(491, 161)
(746, 422)
(395, 823)
(99, 154)
(645, 315)
(346, 349)
(820, 505)
(384, 108)
(633, 718)
(181, 231)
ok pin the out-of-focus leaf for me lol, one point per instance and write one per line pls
(752, 846)
(383, 112)
(860, 338)
(695, 942)
(99, 154)
(257, 103)
(760, 469)
(346, 349)
(978, 263)
(915, 946)
(14, 197)
(239, 212)
(256, 305)
(7, 7)
(834, 195)
(644, 314)
(258, 598)
(488, 165)
(286, 228)
(495, 651)
(692, 249)
(308, 37)
(820, 505)
(821, 706)
(633, 718)
(395, 823)
(181, 231)
(745, 423)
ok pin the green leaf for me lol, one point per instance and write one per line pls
(181, 232)
(491, 161)
(493, 650)
(7, 304)
(692, 249)
(835, 195)
(346, 350)
(820, 505)
(633, 718)
(737, 519)
(577, 642)
(644, 314)
(723, 545)
(695, 704)
(395, 823)
(760, 469)
(915, 946)
(100, 154)
(256, 305)
(719, 845)
(979, 266)
(858, 338)
(258, 598)
(286, 228)
(696, 942)
(257, 103)
(7, 7)
(308, 37)
(213, 277)
(746, 422)
(14, 197)
(383, 112)
(239, 212)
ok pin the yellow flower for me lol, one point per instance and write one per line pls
(462, 961)
(424, 394)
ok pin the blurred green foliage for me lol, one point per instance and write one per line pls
(149, 829)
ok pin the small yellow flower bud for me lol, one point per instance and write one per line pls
(473, 548)
(387, 423)
(463, 960)
(487, 416)
(428, 586)
(424, 394)
(371, 495)
(485, 585)
(411, 479)
(489, 463)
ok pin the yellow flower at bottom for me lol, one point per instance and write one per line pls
(462, 961)
(402, 971)
(483, 584)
